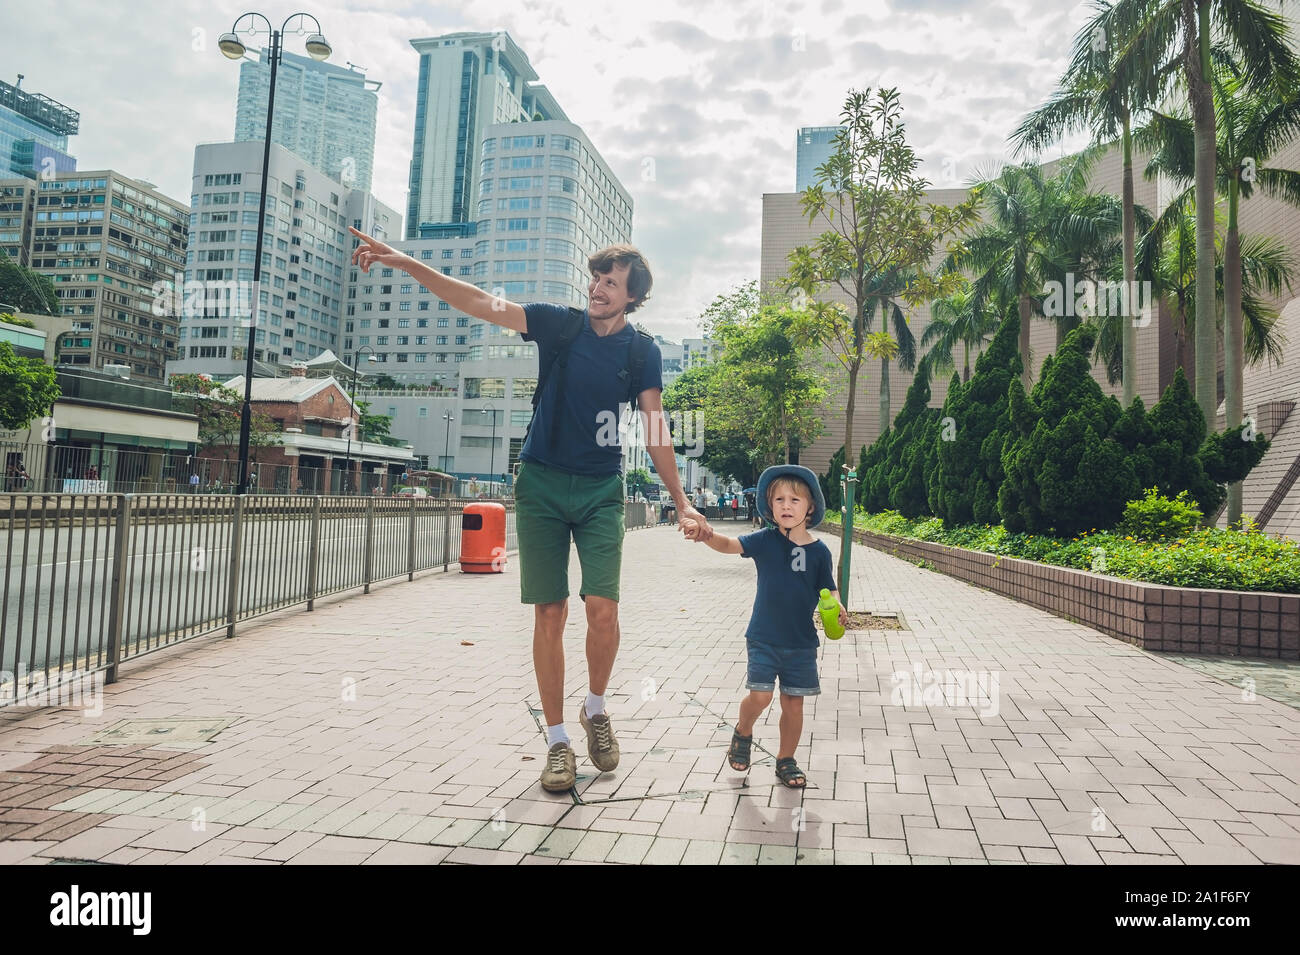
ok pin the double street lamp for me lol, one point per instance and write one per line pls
(353, 398)
(230, 44)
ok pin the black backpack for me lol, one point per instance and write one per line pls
(555, 359)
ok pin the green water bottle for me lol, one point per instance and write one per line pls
(829, 608)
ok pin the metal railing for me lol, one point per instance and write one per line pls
(94, 580)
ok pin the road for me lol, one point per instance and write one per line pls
(56, 595)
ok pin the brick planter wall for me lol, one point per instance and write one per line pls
(1152, 616)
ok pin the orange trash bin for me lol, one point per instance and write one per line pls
(483, 538)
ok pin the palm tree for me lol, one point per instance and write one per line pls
(883, 346)
(955, 321)
(1166, 256)
(1093, 96)
(1159, 36)
(1035, 220)
(1251, 125)
(884, 292)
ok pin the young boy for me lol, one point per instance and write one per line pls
(793, 567)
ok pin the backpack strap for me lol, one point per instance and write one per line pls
(637, 355)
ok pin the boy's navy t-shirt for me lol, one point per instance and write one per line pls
(592, 393)
(790, 580)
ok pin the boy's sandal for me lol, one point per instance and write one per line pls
(739, 752)
(788, 771)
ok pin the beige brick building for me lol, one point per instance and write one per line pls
(1272, 493)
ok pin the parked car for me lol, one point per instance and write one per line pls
(411, 491)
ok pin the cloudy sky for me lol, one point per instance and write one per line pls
(712, 93)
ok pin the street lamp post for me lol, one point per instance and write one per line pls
(234, 48)
(448, 417)
(352, 395)
(491, 409)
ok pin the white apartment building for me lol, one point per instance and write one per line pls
(305, 259)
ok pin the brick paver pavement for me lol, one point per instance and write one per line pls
(402, 727)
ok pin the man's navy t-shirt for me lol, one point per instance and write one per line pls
(790, 580)
(592, 393)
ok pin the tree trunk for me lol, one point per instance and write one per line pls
(1026, 312)
(849, 451)
(884, 394)
(965, 372)
(1130, 274)
(1198, 70)
(1233, 339)
(785, 430)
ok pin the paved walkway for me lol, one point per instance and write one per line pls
(402, 727)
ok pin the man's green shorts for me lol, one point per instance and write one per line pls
(551, 504)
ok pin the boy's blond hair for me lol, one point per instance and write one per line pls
(799, 486)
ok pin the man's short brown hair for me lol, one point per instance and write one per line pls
(639, 279)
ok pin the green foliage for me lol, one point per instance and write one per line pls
(725, 450)
(18, 320)
(967, 470)
(830, 482)
(29, 291)
(373, 427)
(871, 205)
(1155, 516)
(1228, 456)
(1209, 557)
(1061, 471)
(893, 470)
(219, 410)
(767, 387)
(28, 389)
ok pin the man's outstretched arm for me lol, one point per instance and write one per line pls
(461, 296)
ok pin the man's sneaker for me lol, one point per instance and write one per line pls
(561, 771)
(601, 745)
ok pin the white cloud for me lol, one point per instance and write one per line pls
(713, 95)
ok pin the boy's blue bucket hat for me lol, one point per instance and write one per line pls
(796, 471)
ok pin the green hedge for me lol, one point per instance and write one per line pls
(1210, 558)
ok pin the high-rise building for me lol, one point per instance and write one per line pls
(105, 241)
(546, 200)
(323, 113)
(812, 147)
(305, 254)
(34, 131)
(17, 212)
(467, 81)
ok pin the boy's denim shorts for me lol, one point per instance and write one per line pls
(795, 666)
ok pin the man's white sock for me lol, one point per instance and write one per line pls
(556, 734)
(595, 704)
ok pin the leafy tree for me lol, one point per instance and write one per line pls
(29, 291)
(373, 427)
(218, 410)
(767, 388)
(877, 220)
(724, 449)
(28, 389)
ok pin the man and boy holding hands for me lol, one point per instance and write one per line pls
(591, 363)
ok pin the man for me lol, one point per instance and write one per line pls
(570, 473)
